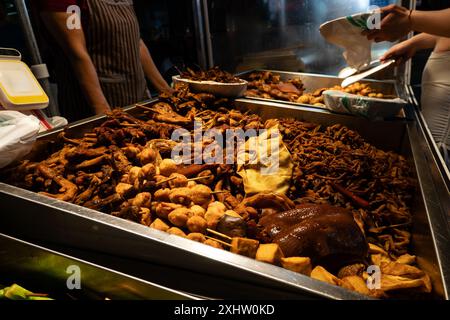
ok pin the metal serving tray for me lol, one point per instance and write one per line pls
(35, 216)
(313, 82)
(42, 270)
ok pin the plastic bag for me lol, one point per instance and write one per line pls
(47, 123)
(18, 132)
(346, 33)
(370, 108)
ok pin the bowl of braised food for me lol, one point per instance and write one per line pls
(214, 81)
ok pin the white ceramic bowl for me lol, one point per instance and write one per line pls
(228, 90)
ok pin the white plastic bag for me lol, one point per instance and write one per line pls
(346, 33)
(369, 108)
(18, 132)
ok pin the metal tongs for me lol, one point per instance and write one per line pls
(352, 75)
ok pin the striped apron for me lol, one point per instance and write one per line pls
(113, 43)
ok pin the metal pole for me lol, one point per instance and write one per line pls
(410, 5)
(35, 54)
(208, 37)
(200, 33)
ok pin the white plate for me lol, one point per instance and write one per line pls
(228, 90)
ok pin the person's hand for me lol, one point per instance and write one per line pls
(401, 52)
(169, 90)
(395, 25)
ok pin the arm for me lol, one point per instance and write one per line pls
(422, 41)
(399, 21)
(74, 45)
(405, 50)
(151, 71)
(433, 22)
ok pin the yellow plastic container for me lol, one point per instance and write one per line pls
(19, 89)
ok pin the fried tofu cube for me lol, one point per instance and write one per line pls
(196, 237)
(160, 225)
(270, 253)
(213, 244)
(244, 246)
(355, 283)
(320, 273)
(177, 232)
(297, 264)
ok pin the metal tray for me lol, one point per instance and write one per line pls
(313, 82)
(38, 217)
(43, 270)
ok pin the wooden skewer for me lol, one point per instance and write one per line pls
(200, 178)
(131, 125)
(219, 241)
(90, 135)
(90, 140)
(219, 192)
(165, 181)
(193, 179)
(147, 108)
(138, 105)
(219, 234)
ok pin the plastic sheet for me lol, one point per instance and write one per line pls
(18, 132)
(370, 108)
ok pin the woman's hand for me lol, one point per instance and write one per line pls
(168, 90)
(395, 25)
(401, 52)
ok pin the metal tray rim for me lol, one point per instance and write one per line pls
(97, 266)
(277, 274)
(273, 273)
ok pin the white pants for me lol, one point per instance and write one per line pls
(436, 99)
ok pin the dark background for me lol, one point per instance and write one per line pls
(10, 32)
(168, 29)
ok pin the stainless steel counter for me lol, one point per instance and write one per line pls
(313, 82)
(38, 217)
(45, 270)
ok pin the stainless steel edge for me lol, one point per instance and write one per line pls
(46, 219)
(436, 174)
(437, 210)
(314, 81)
(208, 35)
(200, 33)
(20, 259)
(443, 168)
(50, 220)
(431, 238)
(55, 221)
